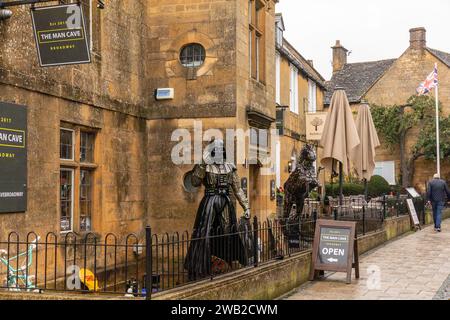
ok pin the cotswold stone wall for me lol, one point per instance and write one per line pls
(109, 95)
(396, 86)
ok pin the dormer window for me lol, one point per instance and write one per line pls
(279, 34)
(279, 29)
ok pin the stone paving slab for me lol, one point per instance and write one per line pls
(415, 267)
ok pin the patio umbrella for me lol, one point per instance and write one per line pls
(340, 137)
(364, 154)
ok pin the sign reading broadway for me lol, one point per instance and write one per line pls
(13, 158)
(60, 35)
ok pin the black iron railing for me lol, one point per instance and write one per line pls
(94, 264)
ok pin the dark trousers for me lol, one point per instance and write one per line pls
(438, 206)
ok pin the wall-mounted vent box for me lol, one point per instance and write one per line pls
(164, 94)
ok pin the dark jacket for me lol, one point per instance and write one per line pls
(438, 191)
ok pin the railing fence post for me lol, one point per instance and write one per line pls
(364, 219)
(255, 241)
(148, 262)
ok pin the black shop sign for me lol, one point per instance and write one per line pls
(13, 158)
(60, 34)
(335, 248)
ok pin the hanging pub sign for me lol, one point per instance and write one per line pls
(335, 248)
(315, 124)
(13, 158)
(60, 34)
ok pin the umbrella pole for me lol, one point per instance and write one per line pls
(366, 189)
(341, 184)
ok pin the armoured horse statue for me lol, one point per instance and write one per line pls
(301, 181)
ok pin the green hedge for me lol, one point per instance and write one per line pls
(349, 189)
(377, 186)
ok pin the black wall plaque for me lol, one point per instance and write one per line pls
(60, 35)
(13, 158)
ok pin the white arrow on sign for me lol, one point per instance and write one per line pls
(332, 260)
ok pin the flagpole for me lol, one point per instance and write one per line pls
(438, 147)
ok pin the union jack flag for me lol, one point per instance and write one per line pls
(430, 83)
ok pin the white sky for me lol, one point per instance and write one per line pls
(372, 30)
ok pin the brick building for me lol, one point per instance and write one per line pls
(392, 82)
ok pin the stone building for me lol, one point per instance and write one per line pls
(300, 89)
(392, 82)
(229, 84)
(100, 144)
(87, 132)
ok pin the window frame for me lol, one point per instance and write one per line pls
(278, 78)
(293, 89)
(72, 201)
(257, 24)
(192, 46)
(312, 96)
(73, 144)
(77, 166)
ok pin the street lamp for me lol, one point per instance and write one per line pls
(5, 14)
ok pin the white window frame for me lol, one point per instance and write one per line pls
(250, 52)
(258, 43)
(278, 77)
(278, 164)
(72, 195)
(73, 143)
(387, 171)
(279, 35)
(293, 88)
(312, 96)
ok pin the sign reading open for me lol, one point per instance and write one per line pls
(335, 248)
(60, 35)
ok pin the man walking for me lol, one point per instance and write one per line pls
(437, 194)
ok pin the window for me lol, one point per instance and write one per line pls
(256, 39)
(66, 144)
(259, 144)
(312, 96)
(85, 200)
(66, 201)
(278, 77)
(87, 146)
(293, 89)
(386, 169)
(192, 55)
(77, 175)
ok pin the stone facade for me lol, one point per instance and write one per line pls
(293, 125)
(136, 49)
(398, 81)
(107, 96)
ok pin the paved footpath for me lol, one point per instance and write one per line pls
(416, 266)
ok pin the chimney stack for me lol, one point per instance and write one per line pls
(339, 56)
(418, 38)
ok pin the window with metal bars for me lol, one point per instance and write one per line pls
(192, 55)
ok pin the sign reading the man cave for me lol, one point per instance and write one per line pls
(13, 158)
(60, 35)
(335, 248)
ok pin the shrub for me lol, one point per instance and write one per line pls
(349, 189)
(378, 186)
